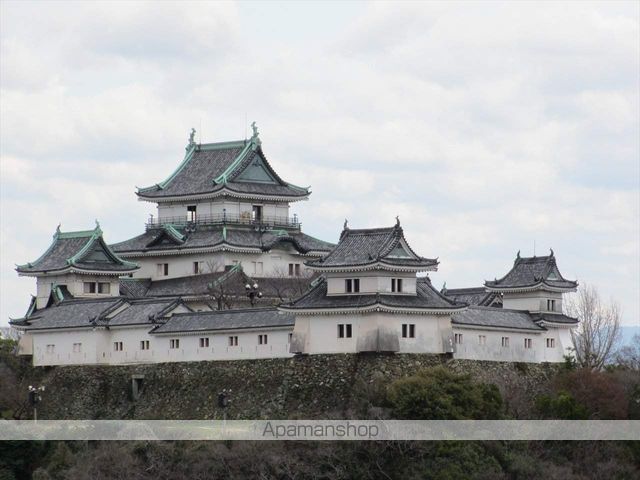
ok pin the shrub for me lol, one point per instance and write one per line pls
(439, 394)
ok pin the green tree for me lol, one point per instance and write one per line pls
(439, 394)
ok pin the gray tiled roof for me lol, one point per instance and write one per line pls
(471, 296)
(368, 246)
(529, 271)
(427, 298)
(495, 317)
(72, 313)
(273, 288)
(89, 312)
(134, 287)
(200, 169)
(226, 320)
(209, 237)
(84, 250)
(553, 318)
(142, 312)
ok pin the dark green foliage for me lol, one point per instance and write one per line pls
(561, 406)
(439, 394)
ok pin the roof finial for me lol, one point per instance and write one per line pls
(551, 250)
(397, 220)
(444, 288)
(255, 139)
(192, 140)
(58, 229)
(345, 226)
(518, 256)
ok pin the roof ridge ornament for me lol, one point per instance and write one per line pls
(346, 225)
(397, 220)
(551, 250)
(192, 139)
(255, 138)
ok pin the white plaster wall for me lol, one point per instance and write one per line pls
(320, 332)
(516, 352)
(532, 301)
(75, 285)
(376, 281)
(98, 346)
(274, 263)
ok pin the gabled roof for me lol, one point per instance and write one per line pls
(501, 318)
(238, 169)
(532, 273)
(208, 285)
(427, 300)
(367, 249)
(204, 239)
(226, 320)
(83, 252)
(472, 296)
(111, 311)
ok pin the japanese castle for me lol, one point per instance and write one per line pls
(224, 271)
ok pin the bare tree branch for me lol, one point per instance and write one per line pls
(596, 335)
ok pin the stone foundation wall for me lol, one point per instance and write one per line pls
(317, 386)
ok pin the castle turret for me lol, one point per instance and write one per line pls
(76, 264)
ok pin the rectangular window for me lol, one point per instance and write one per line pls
(262, 339)
(256, 213)
(527, 343)
(163, 269)
(118, 347)
(396, 285)
(104, 287)
(344, 330)
(198, 267)
(352, 285)
(551, 305)
(174, 343)
(89, 287)
(204, 342)
(144, 344)
(551, 343)
(505, 341)
(297, 269)
(482, 339)
(294, 269)
(191, 213)
(77, 347)
(51, 348)
(233, 341)
(457, 338)
(408, 330)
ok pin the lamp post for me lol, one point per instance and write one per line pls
(223, 403)
(35, 396)
(253, 292)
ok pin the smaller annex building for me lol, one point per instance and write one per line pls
(370, 293)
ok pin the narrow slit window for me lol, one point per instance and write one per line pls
(204, 342)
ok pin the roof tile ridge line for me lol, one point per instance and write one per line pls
(228, 310)
(174, 304)
(56, 236)
(307, 293)
(315, 238)
(112, 308)
(453, 303)
(97, 236)
(222, 178)
(187, 158)
(515, 264)
(96, 233)
(221, 145)
(260, 152)
(172, 230)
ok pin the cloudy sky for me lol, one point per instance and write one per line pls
(488, 127)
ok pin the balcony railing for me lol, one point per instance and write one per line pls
(226, 218)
